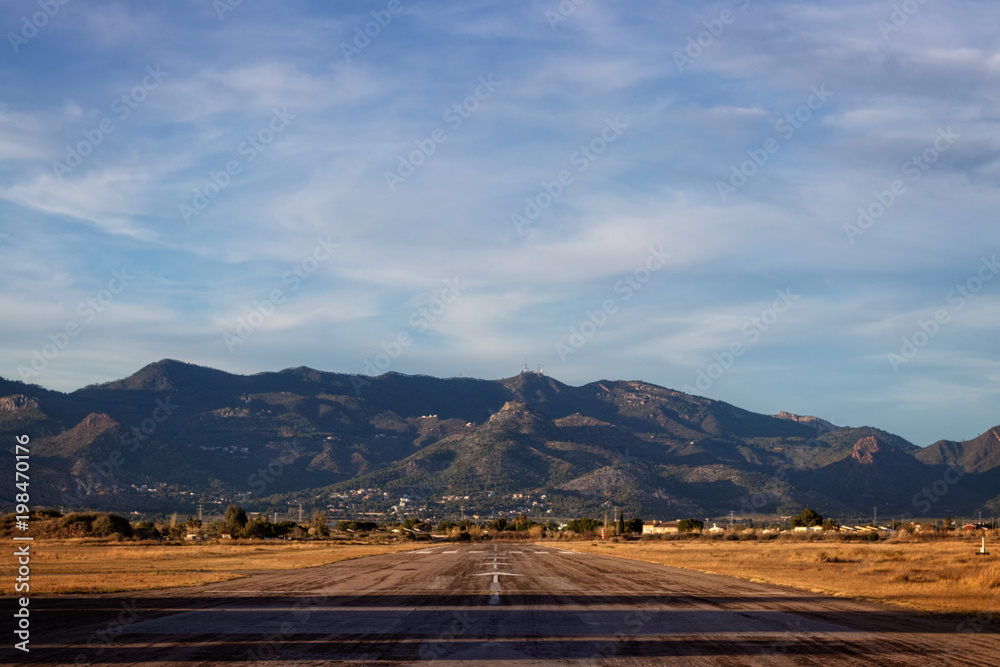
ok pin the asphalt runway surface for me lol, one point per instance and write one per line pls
(504, 604)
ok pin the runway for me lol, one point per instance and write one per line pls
(505, 604)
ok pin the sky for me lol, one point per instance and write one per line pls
(782, 205)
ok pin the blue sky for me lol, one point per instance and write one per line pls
(664, 191)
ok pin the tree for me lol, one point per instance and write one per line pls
(583, 525)
(259, 528)
(359, 526)
(807, 518)
(319, 523)
(146, 530)
(234, 520)
(830, 524)
(285, 528)
(689, 525)
(500, 523)
(633, 525)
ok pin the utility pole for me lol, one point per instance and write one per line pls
(875, 517)
(300, 512)
(201, 509)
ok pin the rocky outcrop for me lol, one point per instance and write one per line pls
(17, 402)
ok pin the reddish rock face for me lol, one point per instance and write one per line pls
(865, 450)
(97, 423)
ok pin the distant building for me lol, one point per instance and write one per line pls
(658, 528)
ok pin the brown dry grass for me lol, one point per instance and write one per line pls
(941, 576)
(87, 566)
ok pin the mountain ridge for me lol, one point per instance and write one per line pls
(173, 434)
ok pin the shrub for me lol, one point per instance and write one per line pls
(75, 517)
(583, 525)
(689, 525)
(111, 524)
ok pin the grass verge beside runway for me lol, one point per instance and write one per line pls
(942, 576)
(75, 566)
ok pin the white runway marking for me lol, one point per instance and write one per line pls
(495, 588)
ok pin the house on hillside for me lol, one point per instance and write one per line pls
(658, 528)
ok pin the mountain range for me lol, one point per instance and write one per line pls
(174, 435)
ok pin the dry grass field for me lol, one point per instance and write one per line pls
(942, 576)
(89, 566)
